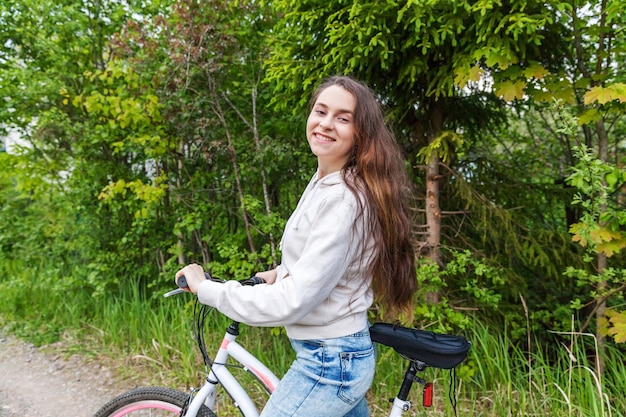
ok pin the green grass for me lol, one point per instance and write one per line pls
(149, 339)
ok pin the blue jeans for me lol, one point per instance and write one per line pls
(329, 378)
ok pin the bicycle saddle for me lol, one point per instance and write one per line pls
(434, 349)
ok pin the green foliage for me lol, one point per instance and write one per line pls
(463, 278)
(444, 146)
(604, 95)
(414, 45)
(234, 263)
(601, 225)
(130, 156)
(614, 324)
(600, 230)
(506, 202)
(71, 155)
(483, 283)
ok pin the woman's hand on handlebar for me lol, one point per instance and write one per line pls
(268, 276)
(194, 274)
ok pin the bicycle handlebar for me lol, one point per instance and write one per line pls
(182, 283)
(252, 281)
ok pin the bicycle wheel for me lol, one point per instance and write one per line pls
(149, 401)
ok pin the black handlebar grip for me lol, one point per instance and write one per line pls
(257, 280)
(252, 281)
(182, 281)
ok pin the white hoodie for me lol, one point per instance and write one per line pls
(322, 288)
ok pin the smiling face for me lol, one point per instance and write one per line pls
(330, 128)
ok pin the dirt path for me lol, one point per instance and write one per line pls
(41, 383)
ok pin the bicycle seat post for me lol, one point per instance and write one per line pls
(401, 402)
(409, 378)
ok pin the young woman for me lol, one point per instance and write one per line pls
(348, 239)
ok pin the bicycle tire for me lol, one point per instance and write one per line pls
(149, 401)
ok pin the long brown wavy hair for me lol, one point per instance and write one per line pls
(382, 179)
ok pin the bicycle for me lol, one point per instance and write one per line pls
(419, 347)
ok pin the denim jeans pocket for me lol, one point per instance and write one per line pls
(357, 373)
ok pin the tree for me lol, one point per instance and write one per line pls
(417, 55)
(205, 62)
(609, 50)
(46, 48)
(601, 102)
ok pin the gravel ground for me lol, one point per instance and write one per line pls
(43, 382)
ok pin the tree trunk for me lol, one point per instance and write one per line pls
(433, 210)
(179, 166)
(603, 155)
(257, 145)
(217, 109)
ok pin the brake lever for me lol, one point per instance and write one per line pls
(173, 292)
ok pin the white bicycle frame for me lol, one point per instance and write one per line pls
(221, 375)
(399, 407)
